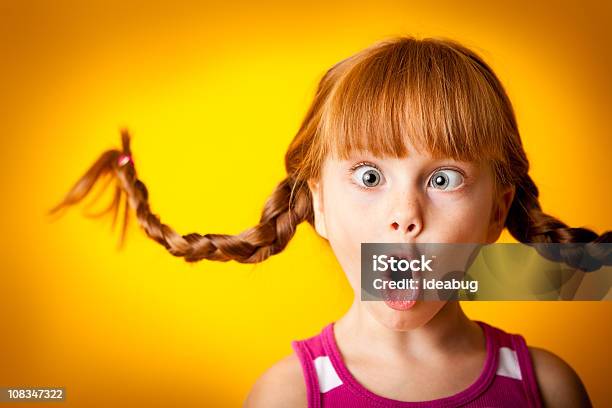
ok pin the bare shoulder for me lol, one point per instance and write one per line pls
(282, 385)
(560, 385)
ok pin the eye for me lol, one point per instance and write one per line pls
(366, 175)
(446, 179)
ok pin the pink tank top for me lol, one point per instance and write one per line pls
(507, 380)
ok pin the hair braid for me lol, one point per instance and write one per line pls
(288, 206)
(529, 224)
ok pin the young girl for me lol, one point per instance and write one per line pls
(408, 141)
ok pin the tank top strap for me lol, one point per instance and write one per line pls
(527, 371)
(316, 367)
(515, 362)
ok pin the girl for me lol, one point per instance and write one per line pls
(408, 141)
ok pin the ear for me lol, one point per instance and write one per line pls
(501, 206)
(316, 191)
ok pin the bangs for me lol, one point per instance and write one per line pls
(422, 93)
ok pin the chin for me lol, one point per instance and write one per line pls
(404, 320)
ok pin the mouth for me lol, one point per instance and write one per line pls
(409, 252)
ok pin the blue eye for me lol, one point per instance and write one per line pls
(367, 176)
(446, 180)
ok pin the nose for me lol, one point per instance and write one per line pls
(407, 221)
(411, 227)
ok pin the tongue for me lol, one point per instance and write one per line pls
(400, 304)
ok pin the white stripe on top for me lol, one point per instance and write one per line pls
(508, 365)
(328, 378)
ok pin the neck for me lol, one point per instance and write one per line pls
(449, 330)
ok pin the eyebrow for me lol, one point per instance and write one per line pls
(356, 155)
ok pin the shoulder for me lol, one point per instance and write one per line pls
(282, 385)
(559, 384)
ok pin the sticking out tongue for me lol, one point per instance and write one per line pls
(401, 299)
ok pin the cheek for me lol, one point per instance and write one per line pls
(352, 218)
(347, 222)
(462, 218)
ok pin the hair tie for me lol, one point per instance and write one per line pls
(124, 159)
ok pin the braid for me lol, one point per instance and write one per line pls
(529, 224)
(288, 206)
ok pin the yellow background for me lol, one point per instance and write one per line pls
(213, 93)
